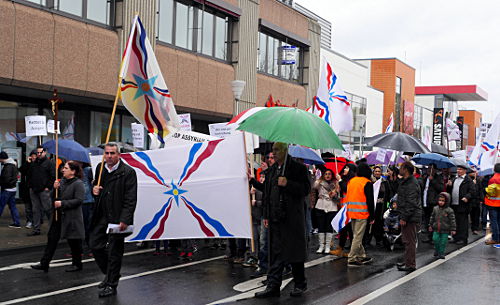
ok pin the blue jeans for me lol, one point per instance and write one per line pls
(9, 198)
(494, 213)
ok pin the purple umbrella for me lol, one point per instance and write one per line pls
(372, 158)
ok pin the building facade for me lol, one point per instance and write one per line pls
(201, 46)
(397, 80)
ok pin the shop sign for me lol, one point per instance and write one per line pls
(437, 126)
(185, 122)
(36, 125)
(460, 124)
(137, 135)
(288, 55)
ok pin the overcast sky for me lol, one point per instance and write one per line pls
(448, 42)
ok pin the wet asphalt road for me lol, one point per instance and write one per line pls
(148, 279)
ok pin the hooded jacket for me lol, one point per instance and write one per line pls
(443, 218)
(8, 177)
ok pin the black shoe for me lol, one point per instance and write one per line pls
(441, 256)
(33, 233)
(366, 260)
(257, 274)
(407, 269)
(297, 291)
(40, 267)
(461, 242)
(107, 292)
(74, 269)
(268, 293)
(354, 264)
(436, 253)
(102, 285)
(15, 226)
(400, 264)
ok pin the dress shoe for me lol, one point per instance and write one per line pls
(107, 292)
(491, 242)
(40, 267)
(441, 256)
(268, 293)
(74, 269)
(400, 264)
(298, 291)
(33, 233)
(407, 269)
(102, 285)
(436, 254)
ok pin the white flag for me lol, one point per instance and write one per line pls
(452, 131)
(485, 153)
(331, 103)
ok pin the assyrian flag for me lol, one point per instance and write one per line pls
(199, 191)
(340, 220)
(485, 153)
(143, 89)
(390, 126)
(452, 130)
(330, 102)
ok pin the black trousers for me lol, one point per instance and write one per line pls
(462, 219)
(275, 273)
(53, 237)
(426, 221)
(324, 220)
(475, 215)
(108, 251)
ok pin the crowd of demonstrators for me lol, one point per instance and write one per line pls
(8, 184)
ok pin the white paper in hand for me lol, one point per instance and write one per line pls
(114, 228)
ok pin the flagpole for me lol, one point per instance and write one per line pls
(118, 94)
(249, 198)
(55, 109)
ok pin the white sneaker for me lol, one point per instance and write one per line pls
(29, 225)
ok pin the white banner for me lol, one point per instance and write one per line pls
(185, 122)
(459, 154)
(137, 135)
(193, 191)
(376, 190)
(221, 130)
(36, 125)
(50, 127)
(187, 137)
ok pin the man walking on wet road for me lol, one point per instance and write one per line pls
(286, 185)
(115, 204)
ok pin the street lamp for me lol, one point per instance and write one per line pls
(360, 124)
(237, 87)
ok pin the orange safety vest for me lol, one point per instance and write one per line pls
(492, 198)
(357, 208)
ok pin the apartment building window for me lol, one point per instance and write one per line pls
(269, 59)
(94, 10)
(418, 121)
(194, 27)
(397, 105)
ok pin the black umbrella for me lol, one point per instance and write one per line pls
(436, 148)
(397, 141)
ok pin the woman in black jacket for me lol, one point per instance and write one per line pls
(69, 222)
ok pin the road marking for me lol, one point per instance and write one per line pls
(249, 294)
(257, 282)
(64, 261)
(375, 294)
(128, 277)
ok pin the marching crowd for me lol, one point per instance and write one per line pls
(291, 204)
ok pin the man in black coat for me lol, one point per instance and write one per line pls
(286, 185)
(41, 180)
(462, 190)
(116, 199)
(8, 184)
(432, 186)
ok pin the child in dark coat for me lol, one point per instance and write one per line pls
(442, 223)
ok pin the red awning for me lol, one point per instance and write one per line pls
(456, 93)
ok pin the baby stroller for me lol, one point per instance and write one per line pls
(392, 228)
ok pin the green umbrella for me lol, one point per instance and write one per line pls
(293, 126)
